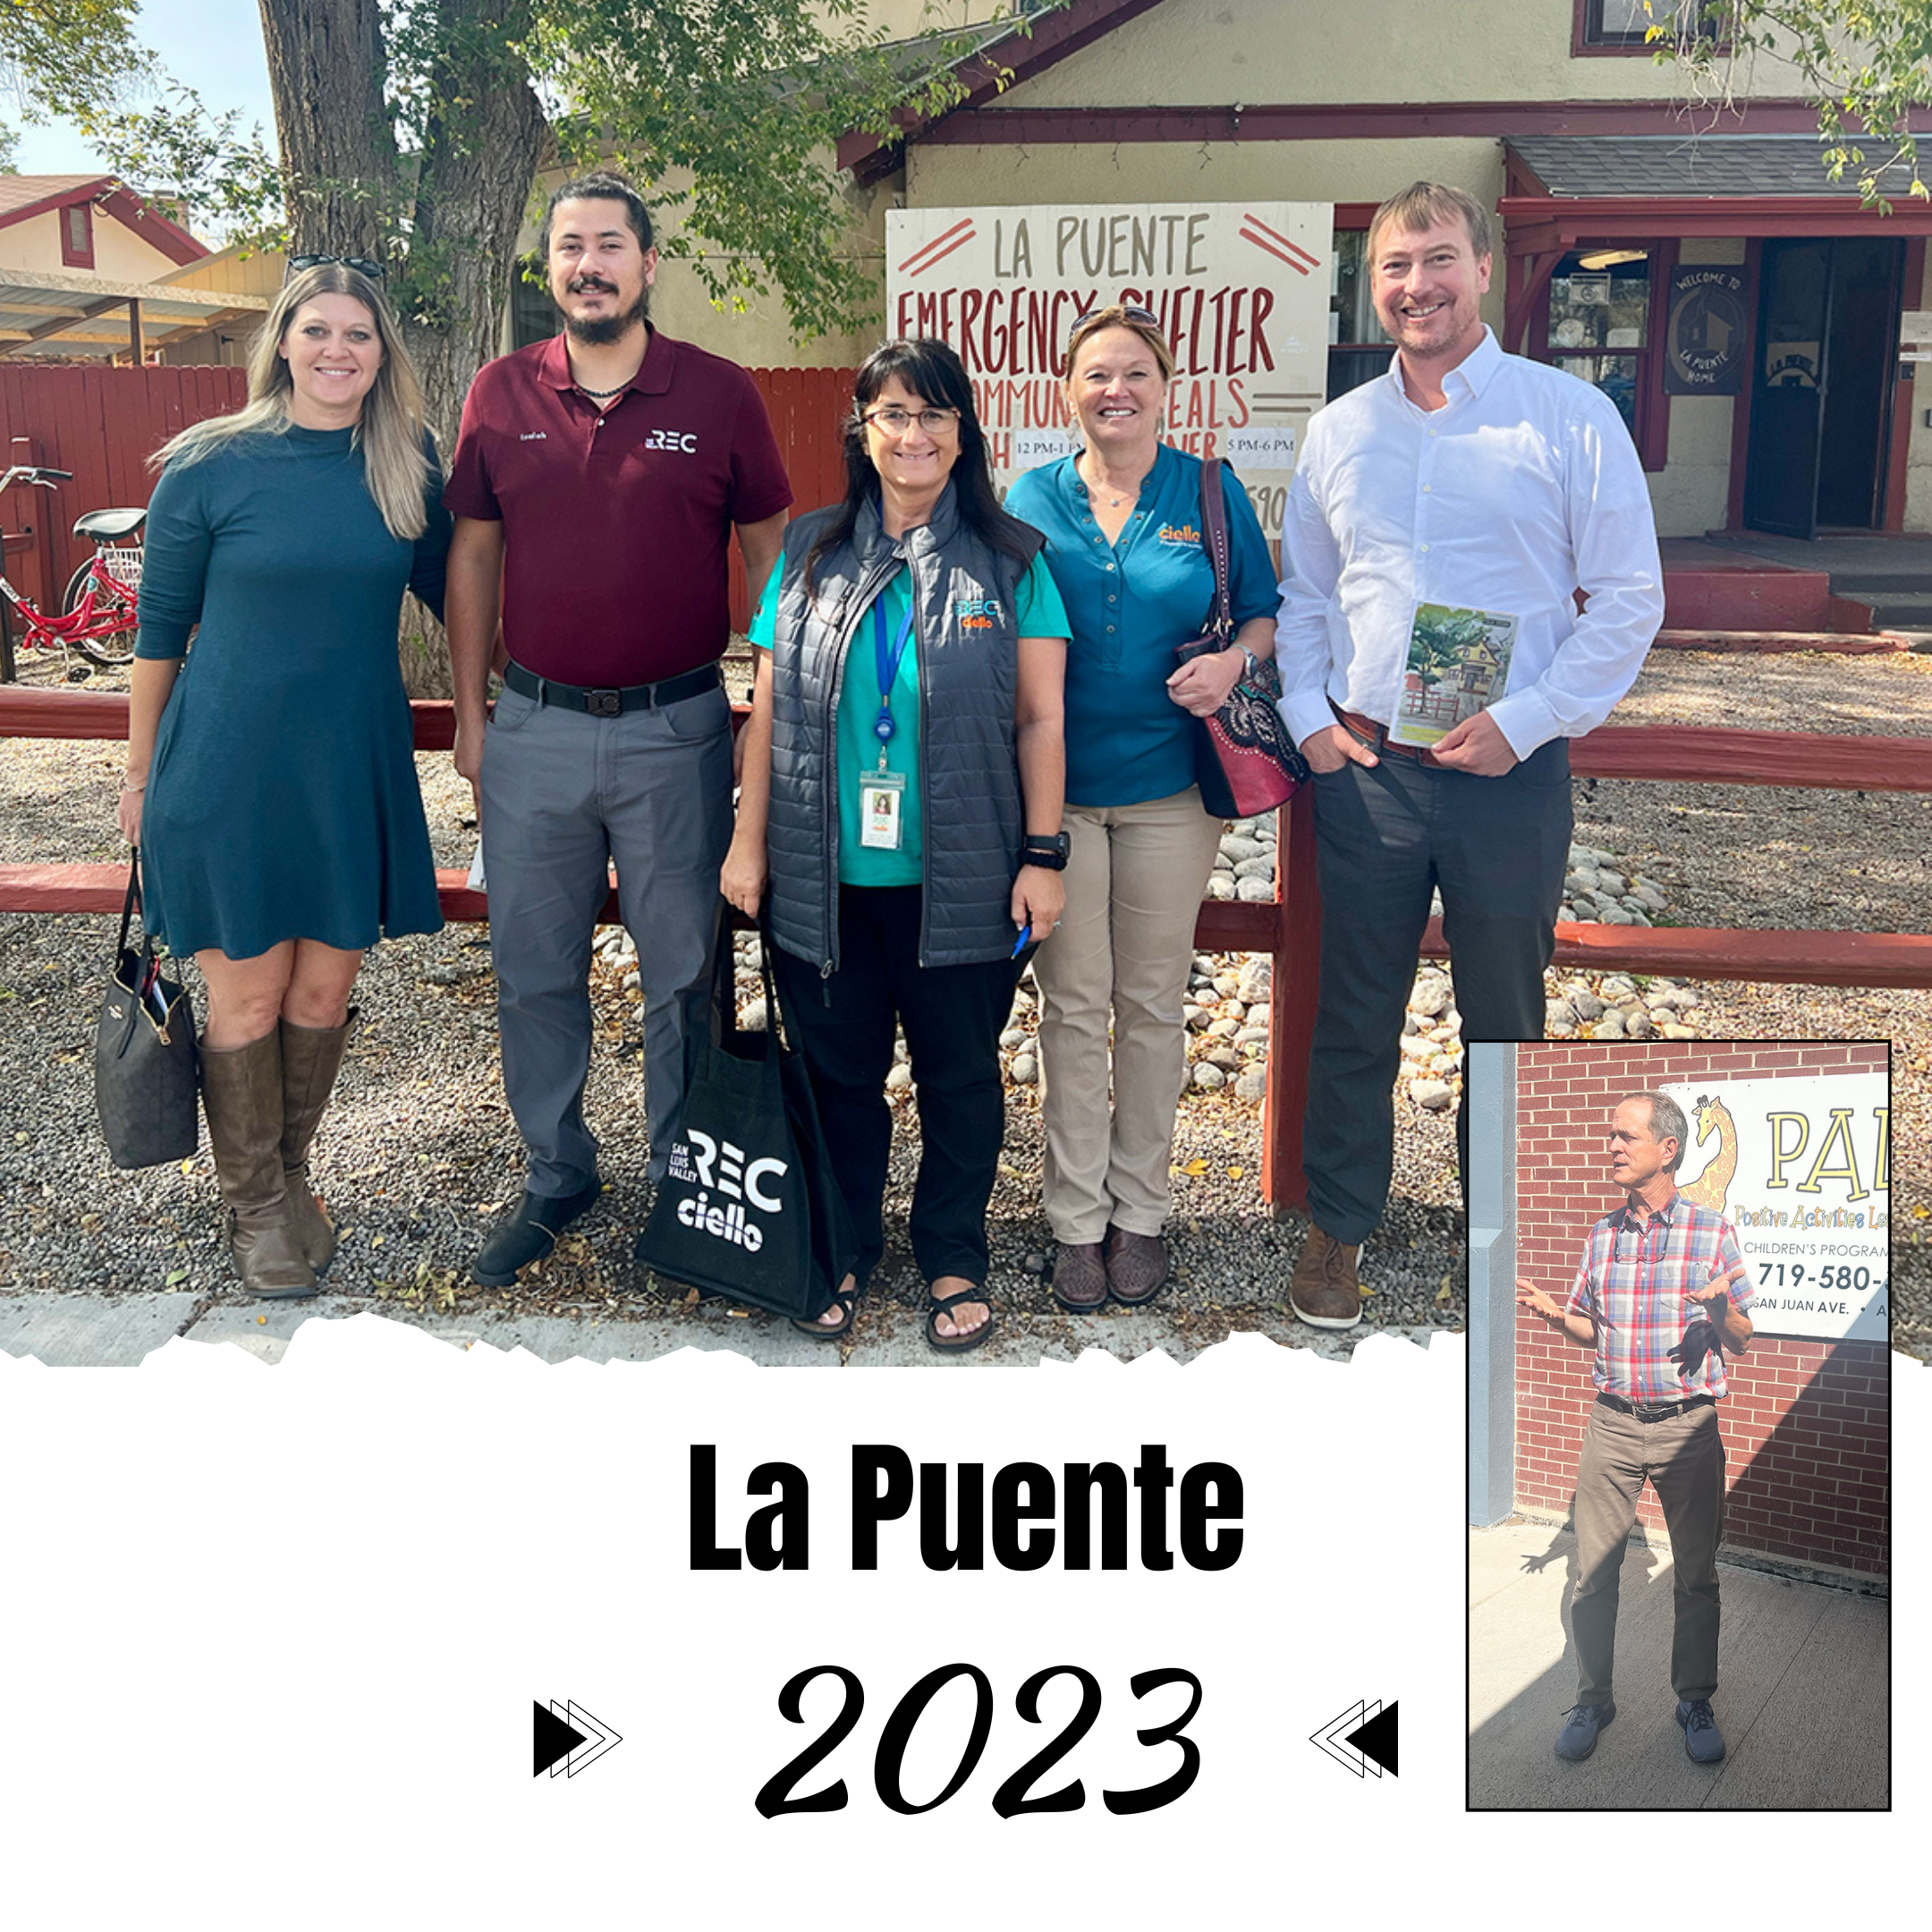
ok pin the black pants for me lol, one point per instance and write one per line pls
(952, 1016)
(1386, 835)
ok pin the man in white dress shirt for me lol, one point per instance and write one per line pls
(1476, 481)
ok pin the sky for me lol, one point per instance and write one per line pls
(213, 45)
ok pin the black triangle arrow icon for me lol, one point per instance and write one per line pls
(1377, 1739)
(554, 1738)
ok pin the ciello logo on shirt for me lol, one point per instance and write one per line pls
(1179, 533)
(721, 1166)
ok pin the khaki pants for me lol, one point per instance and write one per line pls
(1134, 890)
(1683, 1458)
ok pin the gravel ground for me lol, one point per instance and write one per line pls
(419, 1151)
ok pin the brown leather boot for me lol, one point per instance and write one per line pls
(311, 1057)
(241, 1095)
(1326, 1291)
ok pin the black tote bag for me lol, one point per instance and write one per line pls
(145, 1084)
(749, 1208)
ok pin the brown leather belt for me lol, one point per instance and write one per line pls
(1375, 735)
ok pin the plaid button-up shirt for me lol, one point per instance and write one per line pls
(1634, 1282)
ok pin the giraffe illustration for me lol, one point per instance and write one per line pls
(1711, 1116)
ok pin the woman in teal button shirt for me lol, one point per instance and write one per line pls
(908, 824)
(1123, 521)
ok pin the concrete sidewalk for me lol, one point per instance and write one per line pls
(68, 1330)
(1801, 1701)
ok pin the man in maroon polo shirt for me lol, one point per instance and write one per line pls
(595, 484)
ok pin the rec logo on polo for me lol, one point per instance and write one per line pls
(719, 1165)
(683, 441)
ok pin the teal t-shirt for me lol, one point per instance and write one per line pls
(1037, 612)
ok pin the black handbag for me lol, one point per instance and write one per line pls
(1246, 761)
(749, 1208)
(145, 1066)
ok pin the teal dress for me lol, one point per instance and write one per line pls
(283, 802)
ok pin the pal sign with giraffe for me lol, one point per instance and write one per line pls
(1803, 1169)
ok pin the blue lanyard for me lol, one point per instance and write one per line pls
(888, 658)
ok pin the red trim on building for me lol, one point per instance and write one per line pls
(1538, 221)
(1018, 58)
(1904, 395)
(972, 126)
(75, 220)
(127, 208)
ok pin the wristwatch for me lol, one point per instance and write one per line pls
(1038, 850)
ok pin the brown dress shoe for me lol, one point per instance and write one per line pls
(1326, 1293)
(1080, 1280)
(1136, 1266)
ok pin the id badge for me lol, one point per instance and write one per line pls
(882, 810)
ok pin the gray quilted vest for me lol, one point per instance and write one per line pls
(969, 779)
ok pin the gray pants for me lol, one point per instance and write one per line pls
(563, 794)
(1682, 1457)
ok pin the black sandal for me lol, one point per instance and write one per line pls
(958, 1344)
(847, 1303)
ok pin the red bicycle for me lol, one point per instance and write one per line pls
(99, 613)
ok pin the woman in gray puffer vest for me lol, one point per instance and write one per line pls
(903, 777)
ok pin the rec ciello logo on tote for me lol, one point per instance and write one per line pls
(740, 1182)
(747, 1207)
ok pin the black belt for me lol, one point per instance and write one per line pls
(611, 703)
(1654, 1411)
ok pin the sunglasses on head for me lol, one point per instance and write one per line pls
(1130, 311)
(361, 264)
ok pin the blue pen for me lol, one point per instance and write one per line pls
(1020, 944)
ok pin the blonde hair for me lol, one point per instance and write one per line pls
(1115, 316)
(391, 433)
(1424, 203)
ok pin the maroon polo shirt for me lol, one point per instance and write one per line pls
(616, 524)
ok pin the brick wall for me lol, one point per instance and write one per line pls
(1806, 1424)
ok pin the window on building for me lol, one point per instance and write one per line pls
(1597, 324)
(77, 235)
(1623, 26)
(533, 316)
(1358, 350)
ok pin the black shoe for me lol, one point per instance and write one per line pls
(1703, 1741)
(528, 1232)
(1577, 1738)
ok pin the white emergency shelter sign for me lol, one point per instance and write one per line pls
(1803, 1169)
(1240, 290)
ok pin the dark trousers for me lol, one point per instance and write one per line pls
(1683, 1458)
(1386, 837)
(952, 1016)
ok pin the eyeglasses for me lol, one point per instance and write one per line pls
(361, 264)
(896, 422)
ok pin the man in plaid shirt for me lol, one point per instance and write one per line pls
(1660, 1293)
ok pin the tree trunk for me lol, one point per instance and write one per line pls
(350, 189)
(327, 67)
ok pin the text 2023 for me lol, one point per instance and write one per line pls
(1015, 1796)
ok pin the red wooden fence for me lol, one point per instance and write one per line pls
(104, 423)
(1289, 928)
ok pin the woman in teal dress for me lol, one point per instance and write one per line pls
(271, 785)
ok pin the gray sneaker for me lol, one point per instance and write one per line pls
(1703, 1741)
(1577, 1738)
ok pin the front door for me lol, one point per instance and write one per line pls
(1827, 329)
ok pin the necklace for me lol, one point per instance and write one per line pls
(600, 395)
(1112, 503)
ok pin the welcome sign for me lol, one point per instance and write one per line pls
(1240, 290)
(1802, 1168)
